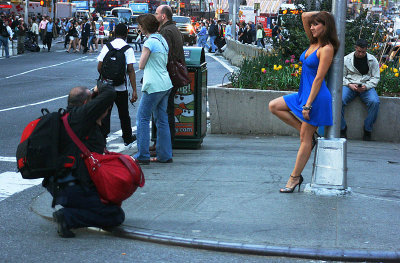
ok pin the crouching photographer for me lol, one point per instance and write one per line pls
(73, 188)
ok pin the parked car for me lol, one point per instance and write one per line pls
(184, 25)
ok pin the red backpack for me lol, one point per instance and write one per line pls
(38, 151)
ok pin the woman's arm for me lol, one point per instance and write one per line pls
(144, 57)
(325, 61)
(305, 17)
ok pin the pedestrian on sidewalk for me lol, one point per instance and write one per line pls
(35, 31)
(42, 28)
(202, 36)
(156, 88)
(76, 192)
(51, 32)
(120, 85)
(213, 33)
(5, 35)
(21, 29)
(101, 33)
(85, 34)
(313, 103)
(173, 37)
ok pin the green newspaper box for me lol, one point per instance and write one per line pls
(190, 102)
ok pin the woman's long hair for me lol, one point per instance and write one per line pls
(330, 34)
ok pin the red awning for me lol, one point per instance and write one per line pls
(6, 6)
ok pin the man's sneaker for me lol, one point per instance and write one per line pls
(367, 135)
(129, 142)
(343, 133)
(62, 230)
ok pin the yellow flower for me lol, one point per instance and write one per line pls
(395, 70)
(279, 67)
(384, 66)
(391, 69)
(380, 69)
(396, 75)
(296, 65)
(275, 67)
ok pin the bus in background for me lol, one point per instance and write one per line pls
(139, 8)
(122, 13)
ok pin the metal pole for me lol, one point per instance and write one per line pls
(26, 12)
(235, 14)
(335, 76)
(330, 161)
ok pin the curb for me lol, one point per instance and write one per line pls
(243, 248)
(261, 250)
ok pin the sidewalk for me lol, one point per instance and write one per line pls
(12, 45)
(225, 196)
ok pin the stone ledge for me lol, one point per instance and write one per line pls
(245, 111)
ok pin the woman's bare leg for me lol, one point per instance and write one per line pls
(279, 108)
(306, 134)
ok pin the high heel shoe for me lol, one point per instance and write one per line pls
(290, 190)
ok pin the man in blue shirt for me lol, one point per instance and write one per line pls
(202, 36)
(67, 27)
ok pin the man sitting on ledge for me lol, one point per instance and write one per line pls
(360, 77)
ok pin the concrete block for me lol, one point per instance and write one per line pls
(245, 111)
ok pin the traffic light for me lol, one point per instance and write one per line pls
(42, 3)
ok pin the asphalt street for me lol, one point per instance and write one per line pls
(33, 81)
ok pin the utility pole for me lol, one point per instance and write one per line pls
(235, 15)
(330, 162)
(26, 11)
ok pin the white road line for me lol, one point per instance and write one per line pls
(8, 159)
(40, 102)
(36, 69)
(225, 65)
(12, 182)
(33, 104)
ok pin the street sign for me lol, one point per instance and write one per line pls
(256, 6)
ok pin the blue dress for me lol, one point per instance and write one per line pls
(321, 112)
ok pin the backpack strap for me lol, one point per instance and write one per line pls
(125, 48)
(75, 138)
(109, 46)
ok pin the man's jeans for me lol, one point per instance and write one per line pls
(155, 103)
(369, 97)
(213, 46)
(202, 41)
(4, 43)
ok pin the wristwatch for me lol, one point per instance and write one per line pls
(307, 108)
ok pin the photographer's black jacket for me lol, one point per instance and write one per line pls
(82, 120)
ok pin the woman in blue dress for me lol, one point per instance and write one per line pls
(312, 105)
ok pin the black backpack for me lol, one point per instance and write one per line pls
(3, 29)
(38, 152)
(114, 65)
